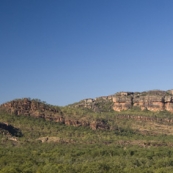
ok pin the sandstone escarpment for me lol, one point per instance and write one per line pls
(152, 100)
(155, 100)
(122, 102)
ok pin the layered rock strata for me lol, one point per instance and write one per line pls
(153, 101)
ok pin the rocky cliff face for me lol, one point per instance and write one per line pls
(155, 100)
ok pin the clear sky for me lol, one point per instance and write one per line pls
(62, 51)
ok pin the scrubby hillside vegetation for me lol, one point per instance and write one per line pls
(88, 136)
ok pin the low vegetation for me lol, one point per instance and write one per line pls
(129, 146)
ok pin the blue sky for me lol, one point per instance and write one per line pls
(62, 51)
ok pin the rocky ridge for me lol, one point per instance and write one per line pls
(38, 109)
(154, 100)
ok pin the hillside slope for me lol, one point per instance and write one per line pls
(36, 137)
(36, 108)
(48, 146)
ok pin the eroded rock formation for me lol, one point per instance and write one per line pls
(34, 108)
(155, 100)
(38, 109)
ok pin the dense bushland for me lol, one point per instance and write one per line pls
(125, 148)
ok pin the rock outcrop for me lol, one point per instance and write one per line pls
(99, 104)
(122, 102)
(38, 109)
(34, 108)
(155, 100)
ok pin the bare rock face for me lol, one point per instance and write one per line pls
(169, 103)
(155, 103)
(155, 100)
(140, 101)
(149, 102)
(122, 102)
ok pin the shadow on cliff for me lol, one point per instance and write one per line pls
(12, 130)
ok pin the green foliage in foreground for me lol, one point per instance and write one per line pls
(83, 158)
(81, 149)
